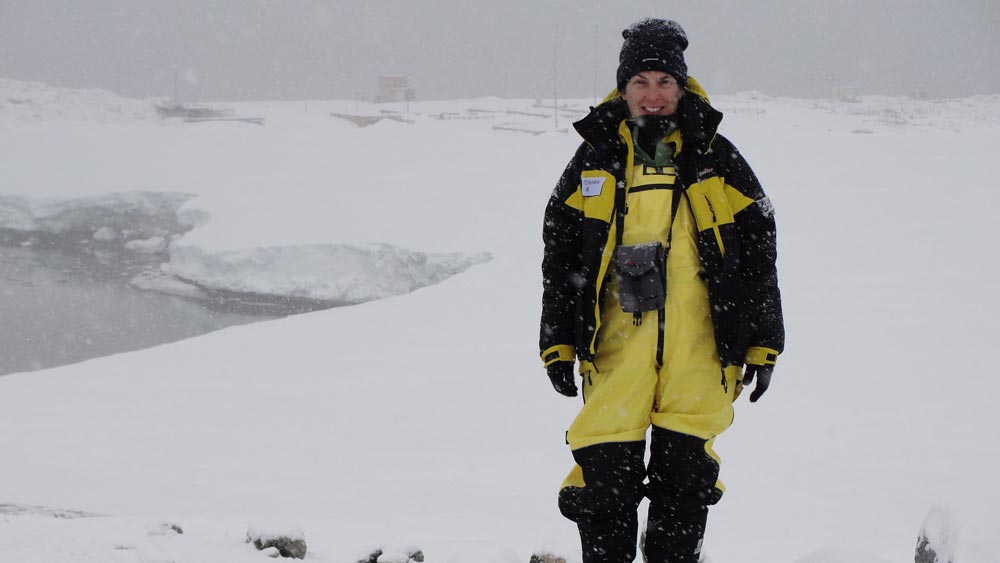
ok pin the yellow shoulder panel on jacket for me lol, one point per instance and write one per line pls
(737, 201)
(575, 200)
(597, 191)
(709, 203)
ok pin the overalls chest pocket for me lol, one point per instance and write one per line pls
(648, 204)
(641, 277)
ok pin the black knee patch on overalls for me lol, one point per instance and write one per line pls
(682, 476)
(613, 474)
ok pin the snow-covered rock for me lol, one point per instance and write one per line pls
(938, 537)
(288, 542)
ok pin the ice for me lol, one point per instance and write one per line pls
(104, 218)
(343, 274)
(148, 222)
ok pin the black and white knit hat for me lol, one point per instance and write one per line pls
(653, 44)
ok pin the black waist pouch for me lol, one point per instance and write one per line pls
(642, 280)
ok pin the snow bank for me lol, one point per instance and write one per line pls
(123, 217)
(33, 102)
(343, 274)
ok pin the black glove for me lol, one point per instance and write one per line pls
(763, 374)
(562, 377)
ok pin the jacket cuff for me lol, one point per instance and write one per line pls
(559, 353)
(761, 356)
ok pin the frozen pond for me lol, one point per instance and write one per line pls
(60, 306)
(87, 277)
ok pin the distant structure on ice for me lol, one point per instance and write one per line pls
(394, 88)
(845, 94)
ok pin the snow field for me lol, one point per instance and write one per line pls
(425, 419)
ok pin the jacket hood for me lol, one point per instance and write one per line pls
(697, 120)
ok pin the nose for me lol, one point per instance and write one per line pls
(656, 92)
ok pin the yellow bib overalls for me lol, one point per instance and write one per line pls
(688, 398)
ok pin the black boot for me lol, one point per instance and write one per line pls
(672, 537)
(610, 539)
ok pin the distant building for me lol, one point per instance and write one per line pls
(394, 88)
(845, 94)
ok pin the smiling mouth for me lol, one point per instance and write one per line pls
(655, 109)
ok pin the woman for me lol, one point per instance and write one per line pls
(659, 278)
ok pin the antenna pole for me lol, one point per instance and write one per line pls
(555, 76)
(595, 65)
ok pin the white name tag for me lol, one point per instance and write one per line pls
(592, 186)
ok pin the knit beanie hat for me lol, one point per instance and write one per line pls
(653, 44)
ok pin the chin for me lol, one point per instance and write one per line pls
(639, 118)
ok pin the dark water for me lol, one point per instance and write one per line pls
(60, 306)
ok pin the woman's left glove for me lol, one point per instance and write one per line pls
(562, 377)
(763, 375)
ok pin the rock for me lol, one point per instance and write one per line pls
(167, 529)
(400, 556)
(925, 552)
(288, 543)
(546, 558)
(937, 539)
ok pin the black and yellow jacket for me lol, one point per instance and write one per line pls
(736, 235)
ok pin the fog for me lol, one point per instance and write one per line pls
(308, 49)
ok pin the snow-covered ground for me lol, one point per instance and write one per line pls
(423, 419)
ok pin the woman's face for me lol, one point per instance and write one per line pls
(652, 92)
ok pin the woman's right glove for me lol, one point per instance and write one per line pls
(562, 377)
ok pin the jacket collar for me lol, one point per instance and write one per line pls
(599, 128)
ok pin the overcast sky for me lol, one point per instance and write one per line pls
(308, 49)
